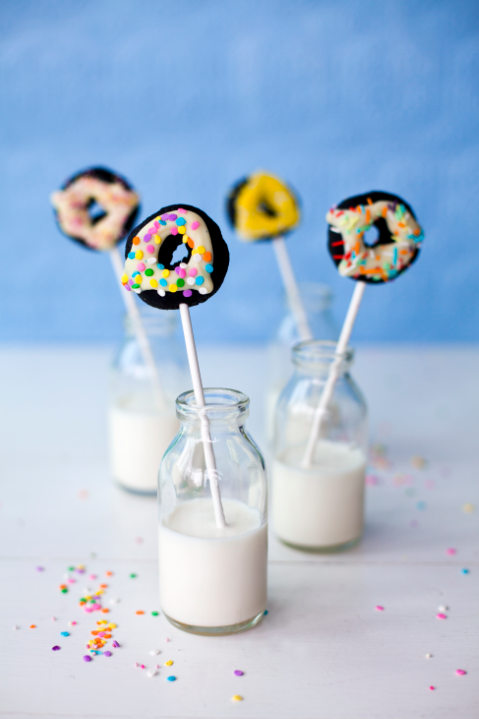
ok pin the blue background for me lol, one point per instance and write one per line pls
(185, 97)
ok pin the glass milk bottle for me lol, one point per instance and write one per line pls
(142, 416)
(213, 580)
(317, 300)
(319, 506)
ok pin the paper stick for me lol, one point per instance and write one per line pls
(135, 317)
(291, 286)
(205, 424)
(325, 399)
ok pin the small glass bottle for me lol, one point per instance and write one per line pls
(319, 506)
(317, 300)
(213, 580)
(142, 417)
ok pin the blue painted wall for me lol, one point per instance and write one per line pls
(185, 97)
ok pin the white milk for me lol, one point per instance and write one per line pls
(211, 577)
(323, 506)
(138, 441)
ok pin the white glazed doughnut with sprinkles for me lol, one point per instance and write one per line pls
(396, 247)
(149, 267)
(117, 205)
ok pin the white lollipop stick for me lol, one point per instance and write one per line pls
(134, 314)
(325, 399)
(205, 424)
(291, 286)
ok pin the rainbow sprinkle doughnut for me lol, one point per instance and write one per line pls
(396, 247)
(262, 207)
(149, 267)
(116, 201)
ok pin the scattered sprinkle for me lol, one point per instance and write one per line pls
(154, 614)
(154, 652)
(169, 663)
(139, 540)
(40, 569)
(238, 673)
(139, 611)
(236, 698)
(65, 634)
(428, 656)
(421, 505)
(33, 626)
(15, 626)
(379, 608)
(451, 551)
(114, 601)
(468, 508)
(55, 648)
(107, 654)
(431, 688)
(465, 571)
(83, 494)
(87, 658)
(442, 608)
(133, 576)
(72, 624)
(418, 462)
(171, 679)
(460, 672)
(151, 673)
(54, 619)
(167, 640)
(115, 644)
(265, 612)
(441, 616)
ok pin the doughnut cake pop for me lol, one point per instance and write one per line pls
(149, 267)
(396, 248)
(261, 207)
(96, 208)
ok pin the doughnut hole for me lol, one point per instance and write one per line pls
(95, 211)
(173, 251)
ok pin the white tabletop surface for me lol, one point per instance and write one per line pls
(323, 651)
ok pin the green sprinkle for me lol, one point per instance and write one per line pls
(155, 614)
(71, 569)
(180, 282)
(135, 287)
(149, 272)
(133, 576)
(64, 591)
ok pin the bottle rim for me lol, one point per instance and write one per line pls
(314, 353)
(220, 402)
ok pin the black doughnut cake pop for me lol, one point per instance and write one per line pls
(162, 283)
(115, 201)
(396, 247)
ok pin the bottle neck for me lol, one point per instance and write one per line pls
(222, 406)
(316, 357)
(316, 297)
(156, 323)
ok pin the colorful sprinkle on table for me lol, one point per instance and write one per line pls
(428, 656)
(40, 569)
(33, 626)
(379, 608)
(238, 673)
(171, 679)
(441, 616)
(55, 648)
(468, 508)
(86, 658)
(236, 698)
(115, 644)
(107, 654)
(169, 663)
(451, 551)
(431, 688)
(465, 571)
(65, 634)
(139, 611)
(154, 614)
(133, 576)
(460, 672)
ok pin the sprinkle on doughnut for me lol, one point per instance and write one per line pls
(396, 247)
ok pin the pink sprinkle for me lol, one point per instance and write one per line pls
(115, 644)
(89, 609)
(167, 640)
(182, 210)
(92, 576)
(182, 272)
(451, 551)
(101, 634)
(379, 608)
(195, 225)
(431, 688)
(142, 666)
(71, 581)
(54, 619)
(150, 248)
(174, 230)
(460, 672)
(140, 266)
(193, 272)
(73, 623)
(441, 616)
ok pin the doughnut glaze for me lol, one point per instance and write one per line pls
(396, 247)
(117, 207)
(261, 207)
(149, 267)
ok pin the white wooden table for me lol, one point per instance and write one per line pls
(323, 651)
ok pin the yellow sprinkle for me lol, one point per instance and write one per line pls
(153, 283)
(201, 250)
(173, 288)
(185, 239)
(181, 230)
(237, 698)
(124, 279)
(112, 626)
(157, 240)
(169, 663)
(468, 508)
(165, 273)
(139, 255)
(194, 252)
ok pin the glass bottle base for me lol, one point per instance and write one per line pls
(136, 490)
(217, 631)
(328, 549)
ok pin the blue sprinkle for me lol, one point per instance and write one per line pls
(135, 274)
(465, 571)
(265, 612)
(65, 634)
(209, 268)
(162, 222)
(171, 679)
(131, 255)
(160, 266)
(199, 280)
(181, 221)
(421, 505)
(163, 283)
